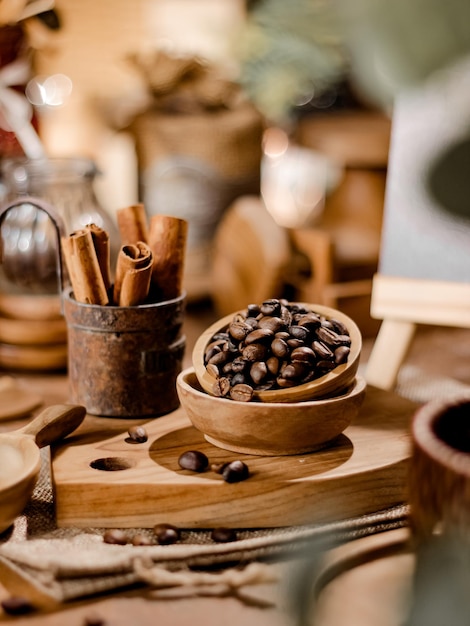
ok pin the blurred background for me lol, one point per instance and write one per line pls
(265, 124)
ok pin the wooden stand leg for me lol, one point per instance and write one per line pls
(388, 353)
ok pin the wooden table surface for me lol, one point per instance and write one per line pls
(262, 605)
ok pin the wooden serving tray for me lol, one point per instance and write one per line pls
(139, 485)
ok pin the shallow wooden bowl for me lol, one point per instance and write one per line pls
(328, 385)
(268, 429)
(20, 458)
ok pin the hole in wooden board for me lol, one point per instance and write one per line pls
(112, 464)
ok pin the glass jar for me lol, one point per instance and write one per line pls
(28, 237)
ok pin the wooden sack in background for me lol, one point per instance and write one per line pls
(198, 147)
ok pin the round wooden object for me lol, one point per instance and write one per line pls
(26, 307)
(263, 428)
(32, 332)
(328, 385)
(34, 358)
(440, 468)
(20, 459)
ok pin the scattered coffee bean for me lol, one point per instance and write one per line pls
(166, 534)
(223, 535)
(17, 605)
(115, 536)
(235, 472)
(193, 460)
(137, 434)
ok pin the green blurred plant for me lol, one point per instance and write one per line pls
(291, 50)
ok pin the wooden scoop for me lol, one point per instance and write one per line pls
(330, 384)
(20, 459)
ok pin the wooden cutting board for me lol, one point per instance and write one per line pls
(102, 480)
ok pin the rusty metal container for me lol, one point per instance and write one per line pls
(123, 361)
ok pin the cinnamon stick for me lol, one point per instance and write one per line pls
(167, 240)
(101, 244)
(83, 268)
(133, 274)
(132, 224)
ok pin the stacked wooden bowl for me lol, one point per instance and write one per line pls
(33, 333)
(293, 420)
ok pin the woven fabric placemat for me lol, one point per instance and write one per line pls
(70, 563)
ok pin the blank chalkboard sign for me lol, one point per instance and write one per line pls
(424, 267)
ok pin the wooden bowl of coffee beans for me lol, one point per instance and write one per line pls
(268, 429)
(278, 351)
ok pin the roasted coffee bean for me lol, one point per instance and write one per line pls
(227, 369)
(116, 536)
(326, 365)
(299, 332)
(239, 330)
(294, 370)
(339, 327)
(235, 472)
(252, 310)
(284, 383)
(238, 379)
(270, 307)
(215, 347)
(309, 320)
(241, 393)
(258, 372)
(273, 365)
(221, 387)
(285, 315)
(17, 605)
(219, 358)
(223, 535)
(322, 351)
(142, 540)
(341, 354)
(279, 348)
(166, 534)
(255, 352)
(275, 324)
(259, 335)
(304, 354)
(137, 434)
(212, 370)
(294, 343)
(325, 335)
(193, 460)
(239, 365)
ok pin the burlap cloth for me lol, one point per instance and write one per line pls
(70, 563)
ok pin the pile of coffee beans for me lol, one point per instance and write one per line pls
(274, 345)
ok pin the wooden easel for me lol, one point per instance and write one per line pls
(403, 303)
(424, 268)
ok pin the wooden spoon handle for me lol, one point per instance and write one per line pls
(54, 423)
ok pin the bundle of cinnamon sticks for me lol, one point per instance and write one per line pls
(149, 265)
